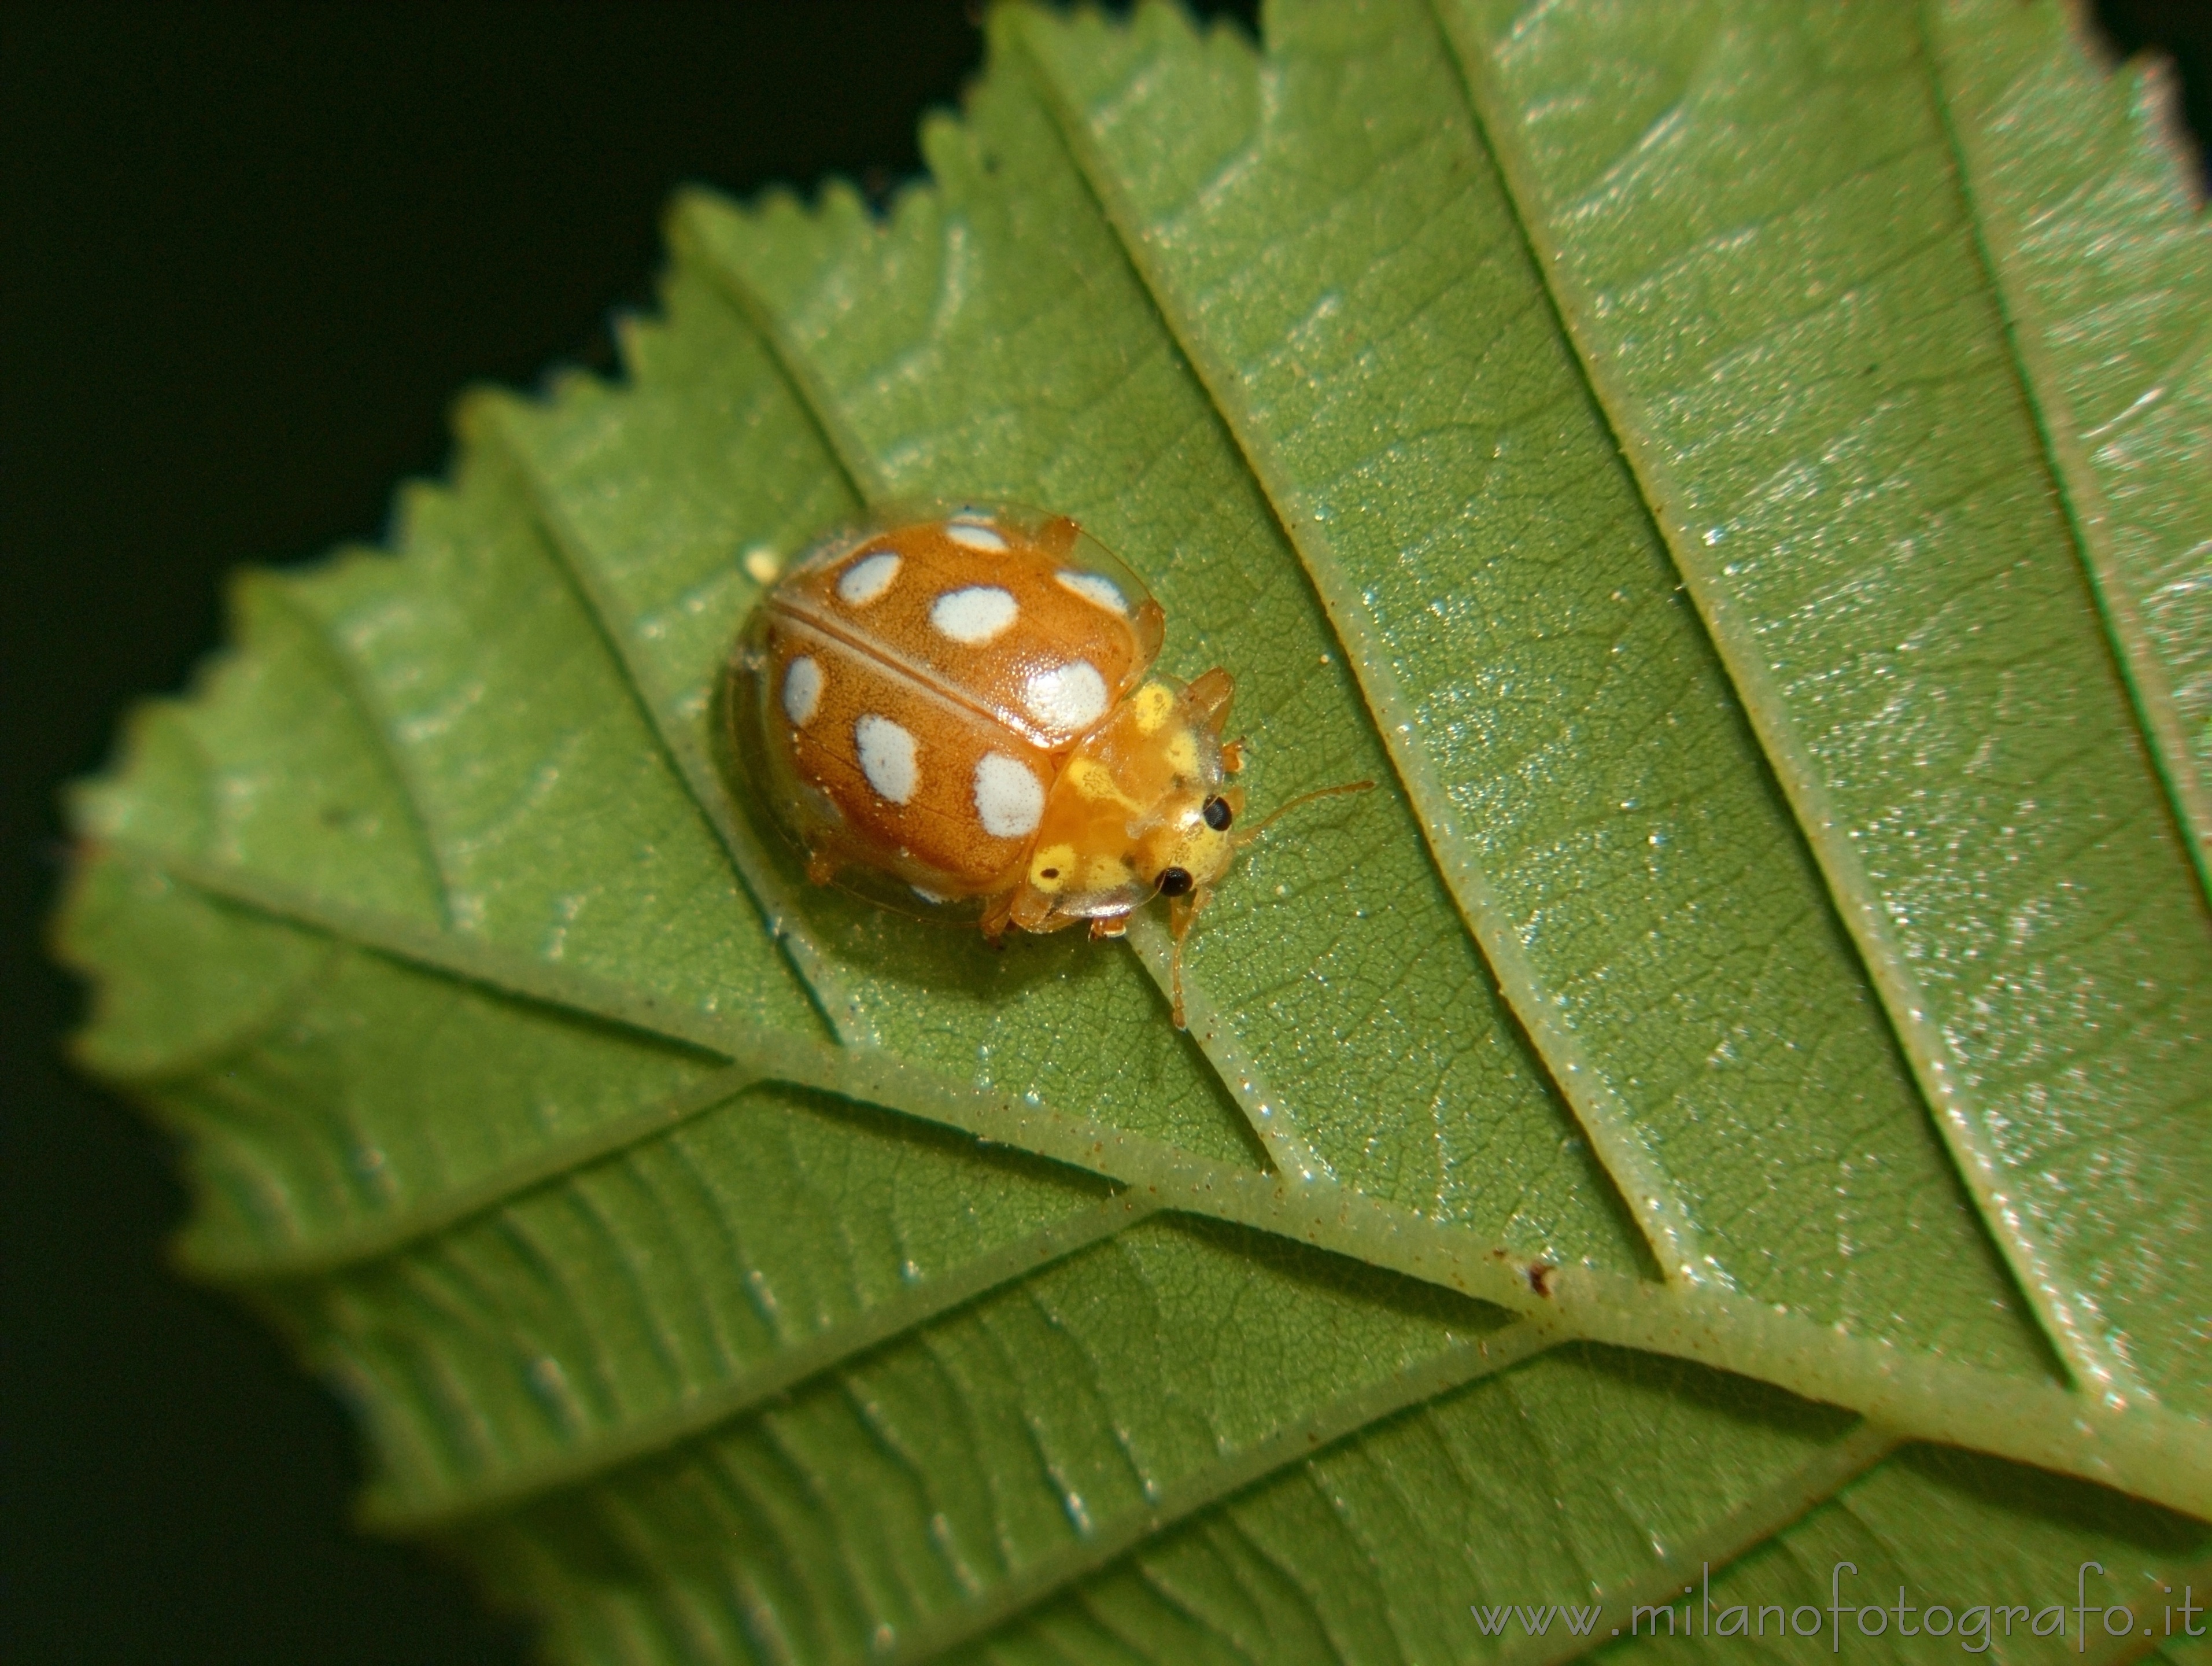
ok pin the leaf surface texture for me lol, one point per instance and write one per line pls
(1733, 1104)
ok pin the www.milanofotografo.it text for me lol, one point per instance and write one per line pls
(1850, 1614)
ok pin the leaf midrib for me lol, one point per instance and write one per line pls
(1697, 1331)
(860, 468)
(1724, 1330)
(2144, 1450)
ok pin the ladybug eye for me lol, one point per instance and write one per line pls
(1174, 881)
(1218, 814)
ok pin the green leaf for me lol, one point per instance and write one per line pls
(1729, 1110)
(1806, 359)
(2101, 270)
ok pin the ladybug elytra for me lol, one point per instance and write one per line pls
(963, 700)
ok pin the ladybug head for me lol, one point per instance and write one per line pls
(1188, 848)
(1139, 810)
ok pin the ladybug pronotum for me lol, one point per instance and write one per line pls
(963, 700)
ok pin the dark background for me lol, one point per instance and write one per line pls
(250, 254)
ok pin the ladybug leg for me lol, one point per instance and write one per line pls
(1101, 928)
(997, 917)
(1232, 755)
(1208, 698)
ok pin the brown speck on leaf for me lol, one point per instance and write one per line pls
(1540, 1277)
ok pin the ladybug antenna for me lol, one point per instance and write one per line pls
(1282, 810)
(1180, 913)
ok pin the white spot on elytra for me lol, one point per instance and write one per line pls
(974, 535)
(867, 578)
(1097, 589)
(1009, 798)
(974, 615)
(802, 690)
(887, 757)
(1070, 697)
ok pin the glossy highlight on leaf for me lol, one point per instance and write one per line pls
(1732, 1105)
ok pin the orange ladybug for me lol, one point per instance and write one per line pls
(963, 700)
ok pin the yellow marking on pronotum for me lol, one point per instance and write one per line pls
(1049, 871)
(1152, 704)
